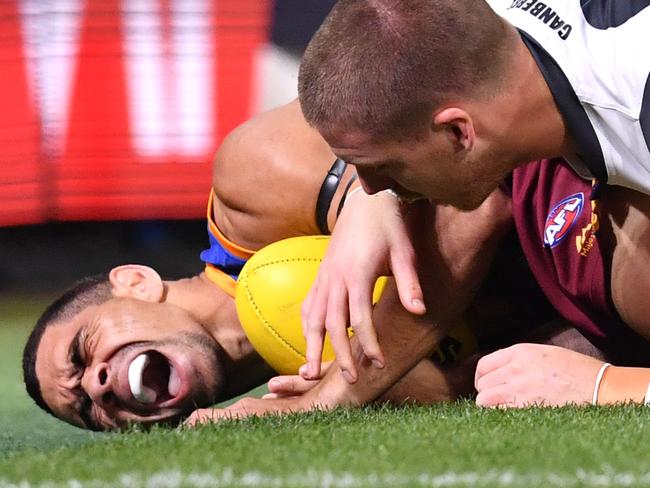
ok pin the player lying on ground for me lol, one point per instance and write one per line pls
(78, 362)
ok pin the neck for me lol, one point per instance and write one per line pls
(528, 124)
(215, 310)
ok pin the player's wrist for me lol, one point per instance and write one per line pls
(334, 391)
(622, 385)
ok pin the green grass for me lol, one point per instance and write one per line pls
(443, 445)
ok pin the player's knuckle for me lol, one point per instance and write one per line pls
(313, 327)
(333, 328)
(306, 306)
(413, 287)
(513, 368)
(353, 276)
(309, 321)
(519, 383)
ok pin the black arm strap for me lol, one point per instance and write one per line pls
(326, 193)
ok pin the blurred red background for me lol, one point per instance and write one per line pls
(113, 110)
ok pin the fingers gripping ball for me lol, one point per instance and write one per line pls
(270, 291)
(269, 294)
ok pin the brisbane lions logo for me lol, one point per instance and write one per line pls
(561, 219)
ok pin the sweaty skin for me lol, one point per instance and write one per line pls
(266, 177)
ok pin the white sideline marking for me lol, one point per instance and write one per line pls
(607, 477)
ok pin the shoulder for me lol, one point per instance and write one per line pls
(277, 145)
(266, 177)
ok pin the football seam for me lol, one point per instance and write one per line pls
(258, 312)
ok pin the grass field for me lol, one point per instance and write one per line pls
(440, 446)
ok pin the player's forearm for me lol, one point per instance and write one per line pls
(408, 339)
(622, 385)
(429, 383)
(405, 339)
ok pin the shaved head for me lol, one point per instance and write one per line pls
(382, 66)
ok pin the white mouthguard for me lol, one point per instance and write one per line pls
(174, 384)
(139, 391)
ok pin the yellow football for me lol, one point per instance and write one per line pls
(270, 291)
(269, 294)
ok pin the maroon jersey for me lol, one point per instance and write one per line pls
(553, 210)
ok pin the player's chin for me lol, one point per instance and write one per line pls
(145, 424)
(167, 418)
(168, 415)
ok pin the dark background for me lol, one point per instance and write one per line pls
(47, 258)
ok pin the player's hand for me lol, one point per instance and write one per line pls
(535, 374)
(292, 385)
(370, 240)
(246, 407)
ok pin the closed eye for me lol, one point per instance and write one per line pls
(85, 404)
(76, 356)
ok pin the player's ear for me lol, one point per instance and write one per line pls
(137, 281)
(460, 125)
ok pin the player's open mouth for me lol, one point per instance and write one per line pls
(153, 378)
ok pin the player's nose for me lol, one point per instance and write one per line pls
(96, 383)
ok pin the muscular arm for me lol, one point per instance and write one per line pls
(266, 177)
(626, 244)
(428, 383)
